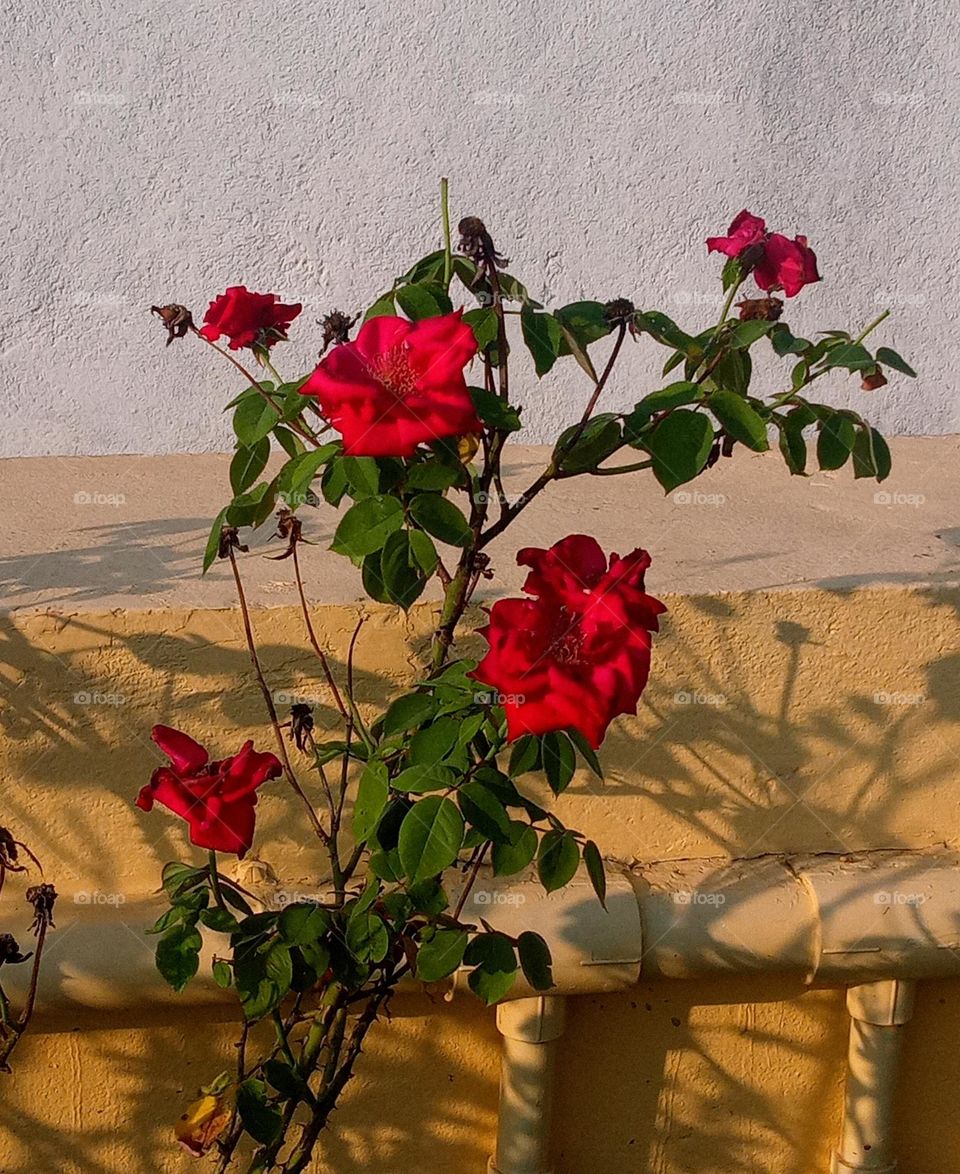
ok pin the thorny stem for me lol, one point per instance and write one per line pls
(215, 882)
(268, 701)
(16, 1028)
(447, 246)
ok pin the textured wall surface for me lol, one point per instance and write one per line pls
(159, 152)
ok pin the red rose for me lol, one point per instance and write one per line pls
(217, 799)
(397, 385)
(578, 653)
(746, 230)
(777, 261)
(786, 264)
(247, 318)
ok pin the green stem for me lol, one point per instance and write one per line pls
(873, 325)
(215, 882)
(726, 306)
(445, 217)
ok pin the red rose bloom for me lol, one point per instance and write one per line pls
(217, 799)
(578, 653)
(397, 385)
(780, 263)
(746, 230)
(247, 318)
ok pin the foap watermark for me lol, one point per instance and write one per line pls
(284, 897)
(895, 298)
(899, 99)
(85, 698)
(501, 498)
(290, 697)
(84, 897)
(497, 897)
(297, 99)
(895, 897)
(100, 98)
(694, 297)
(85, 497)
(697, 897)
(698, 697)
(885, 698)
(886, 497)
(488, 698)
(699, 98)
(501, 99)
(695, 497)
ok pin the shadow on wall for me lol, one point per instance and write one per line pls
(774, 722)
(423, 1098)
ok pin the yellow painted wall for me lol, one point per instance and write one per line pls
(825, 721)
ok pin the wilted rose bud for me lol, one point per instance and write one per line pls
(477, 244)
(42, 898)
(873, 379)
(10, 950)
(177, 319)
(336, 328)
(301, 724)
(761, 309)
(620, 310)
(230, 540)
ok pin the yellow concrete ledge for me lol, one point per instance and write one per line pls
(805, 697)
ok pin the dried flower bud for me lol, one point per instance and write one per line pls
(301, 724)
(289, 527)
(476, 243)
(8, 849)
(10, 950)
(873, 379)
(230, 540)
(620, 310)
(336, 328)
(177, 319)
(42, 898)
(762, 309)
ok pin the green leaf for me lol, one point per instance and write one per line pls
(496, 966)
(297, 474)
(599, 439)
(511, 858)
(664, 330)
(675, 395)
(178, 955)
(739, 419)
(212, 549)
(434, 474)
(435, 741)
(871, 457)
(525, 755)
(493, 411)
(254, 507)
(679, 446)
(367, 937)
(363, 476)
(784, 342)
(558, 859)
(543, 337)
(408, 711)
(430, 838)
(441, 518)
(586, 321)
(382, 307)
(559, 761)
(219, 920)
(372, 792)
(425, 300)
(793, 447)
(441, 955)
(535, 960)
(222, 974)
(586, 751)
(733, 372)
(598, 877)
(890, 358)
(402, 576)
(732, 273)
(283, 1078)
(850, 355)
(744, 334)
(424, 777)
(367, 525)
(262, 1122)
(483, 323)
(303, 924)
(835, 441)
(254, 419)
(248, 463)
(484, 811)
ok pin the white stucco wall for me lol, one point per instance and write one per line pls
(160, 151)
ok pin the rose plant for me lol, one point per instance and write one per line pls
(403, 424)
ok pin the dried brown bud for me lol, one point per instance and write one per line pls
(336, 328)
(10, 950)
(289, 527)
(42, 898)
(619, 311)
(301, 724)
(8, 849)
(763, 309)
(873, 379)
(230, 540)
(476, 243)
(177, 319)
